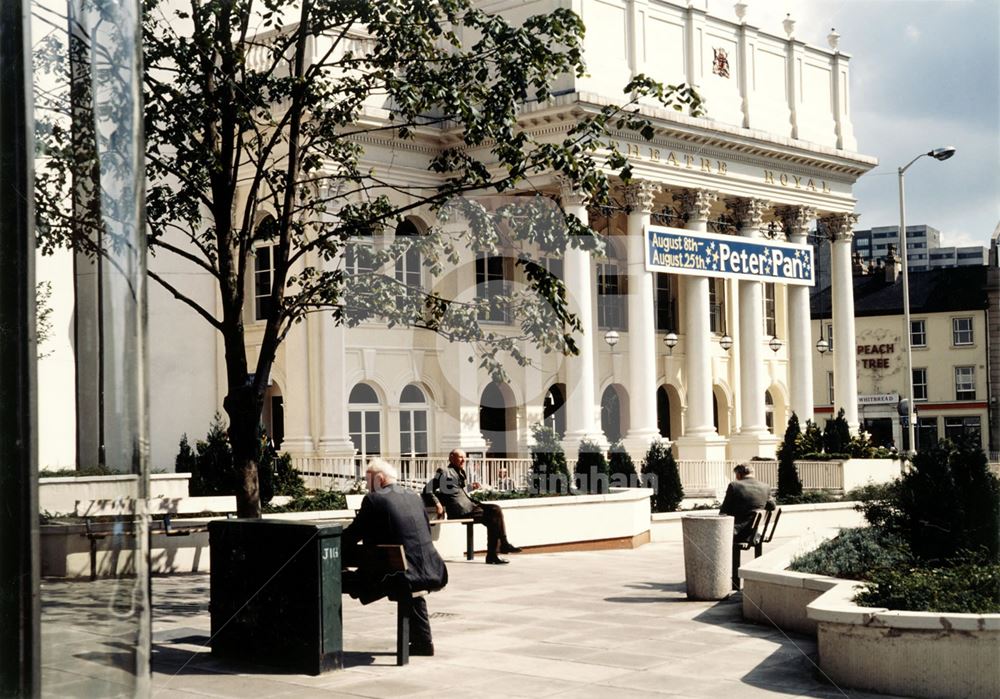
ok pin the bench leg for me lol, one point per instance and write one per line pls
(93, 559)
(469, 547)
(736, 567)
(758, 550)
(403, 631)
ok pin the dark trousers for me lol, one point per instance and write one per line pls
(420, 622)
(369, 589)
(491, 516)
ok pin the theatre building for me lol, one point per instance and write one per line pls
(950, 352)
(712, 359)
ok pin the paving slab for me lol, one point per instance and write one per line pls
(573, 624)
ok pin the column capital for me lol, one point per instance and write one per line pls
(795, 219)
(696, 203)
(569, 193)
(749, 212)
(639, 195)
(840, 227)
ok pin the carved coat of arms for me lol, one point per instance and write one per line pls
(720, 64)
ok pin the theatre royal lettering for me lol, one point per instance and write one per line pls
(680, 251)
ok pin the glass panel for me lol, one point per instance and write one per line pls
(404, 421)
(404, 443)
(96, 634)
(371, 421)
(412, 394)
(420, 420)
(354, 421)
(363, 393)
(421, 447)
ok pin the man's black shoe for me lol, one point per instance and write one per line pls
(421, 649)
(509, 548)
(496, 561)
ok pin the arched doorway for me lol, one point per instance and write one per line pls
(720, 411)
(769, 411)
(273, 415)
(613, 403)
(497, 420)
(668, 412)
(554, 409)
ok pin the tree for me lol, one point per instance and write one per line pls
(620, 465)
(549, 471)
(837, 435)
(667, 489)
(591, 469)
(789, 483)
(256, 117)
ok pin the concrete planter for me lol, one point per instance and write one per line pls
(59, 496)
(619, 519)
(917, 654)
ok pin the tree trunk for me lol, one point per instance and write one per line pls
(244, 414)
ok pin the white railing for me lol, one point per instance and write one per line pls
(701, 478)
(820, 475)
(341, 472)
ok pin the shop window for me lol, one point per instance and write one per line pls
(958, 427)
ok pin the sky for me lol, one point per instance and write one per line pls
(924, 74)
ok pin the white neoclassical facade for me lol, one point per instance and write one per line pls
(774, 155)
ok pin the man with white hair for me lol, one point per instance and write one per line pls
(391, 514)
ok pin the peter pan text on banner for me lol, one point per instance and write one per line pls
(679, 251)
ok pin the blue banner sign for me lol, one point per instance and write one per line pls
(679, 251)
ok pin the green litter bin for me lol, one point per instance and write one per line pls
(275, 593)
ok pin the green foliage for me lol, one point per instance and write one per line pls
(213, 471)
(86, 472)
(591, 472)
(661, 465)
(811, 441)
(837, 435)
(789, 483)
(43, 317)
(620, 465)
(948, 502)
(854, 554)
(239, 125)
(809, 497)
(312, 501)
(549, 471)
(484, 495)
(967, 586)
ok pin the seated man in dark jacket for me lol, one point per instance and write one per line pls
(391, 514)
(446, 493)
(743, 496)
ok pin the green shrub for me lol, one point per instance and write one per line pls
(591, 472)
(789, 483)
(549, 472)
(809, 497)
(837, 435)
(811, 440)
(666, 478)
(854, 553)
(85, 472)
(486, 495)
(620, 465)
(967, 586)
(312, 501)
(947, 503)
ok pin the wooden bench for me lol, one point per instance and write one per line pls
(391, 558)
(469, 546)
(758, 535)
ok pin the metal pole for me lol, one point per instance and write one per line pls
(19, 562)
(906, 312)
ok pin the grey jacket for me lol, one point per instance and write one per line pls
(742, 498)
(447, 487)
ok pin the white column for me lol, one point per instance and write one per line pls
(641, 324)
(581, 417)
(797, 220)
(700, 440)
(335, 436)
(840, 228)
(298, 438)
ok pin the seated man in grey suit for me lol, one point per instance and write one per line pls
(743, 496)
(391, 514)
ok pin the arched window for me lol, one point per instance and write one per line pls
(408, 262)
(553, 410)
(769, 411)
(364, 421)
(412, 422)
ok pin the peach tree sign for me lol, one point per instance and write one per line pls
(680, 251)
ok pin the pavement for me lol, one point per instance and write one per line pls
(577, 624)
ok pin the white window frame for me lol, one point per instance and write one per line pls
(769, 297)
(365, 412)
(920, 394)
(965, 382)
(829, 386)
(268, 274)
(956, 333)
(918, 338)
(489, 285)
(410, 411)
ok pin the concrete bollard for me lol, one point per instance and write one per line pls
(708, 561)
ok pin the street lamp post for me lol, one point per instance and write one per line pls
(937, 154)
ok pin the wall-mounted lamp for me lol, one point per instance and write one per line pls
(725, 342)
(774, 344)
(611, 337)
(670, 340)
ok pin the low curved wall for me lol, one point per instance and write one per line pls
(918, 654)
(58, 496)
